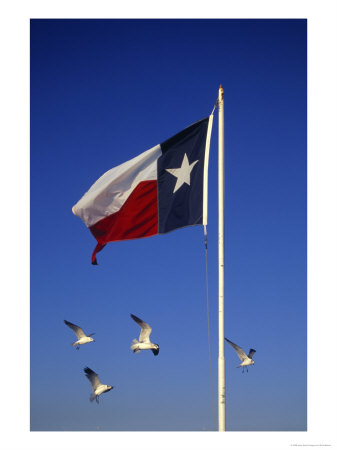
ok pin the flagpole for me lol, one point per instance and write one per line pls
(221, 358)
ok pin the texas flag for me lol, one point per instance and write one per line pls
(160, 190)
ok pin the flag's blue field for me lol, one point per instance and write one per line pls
(102, 92)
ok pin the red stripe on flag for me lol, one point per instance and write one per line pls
(137, 218)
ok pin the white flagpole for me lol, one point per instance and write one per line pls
(221, 207)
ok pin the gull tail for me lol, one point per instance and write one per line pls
(134, 346)
(92, 397)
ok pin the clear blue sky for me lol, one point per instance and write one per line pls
(103, 91)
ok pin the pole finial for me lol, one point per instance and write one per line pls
(220, 93)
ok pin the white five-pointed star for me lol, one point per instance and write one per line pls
(183, 173)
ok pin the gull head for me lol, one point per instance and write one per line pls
(155, 349)
(92, 339)
(109, 387)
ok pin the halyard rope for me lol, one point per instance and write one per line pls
(209, 335)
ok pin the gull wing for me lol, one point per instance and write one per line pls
(146, 329)
(251, 353)
(93, 378)
(77, 330)
(241, 354)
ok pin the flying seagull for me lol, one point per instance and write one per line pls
(144, 342)
(246, 360)
(97, 387)
(82, 338)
